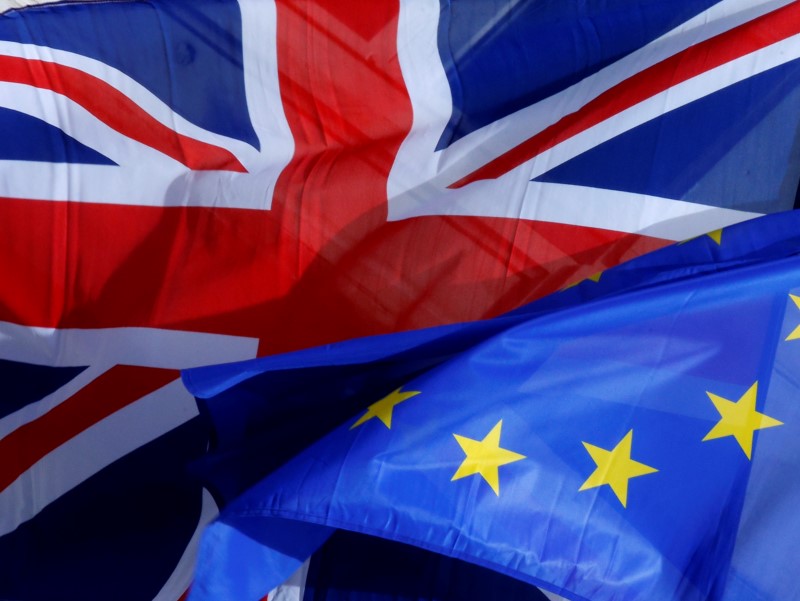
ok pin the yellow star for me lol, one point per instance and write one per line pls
(383, 409)
(484, 457)
(615, 467)
(595, 277)
(740, 419)
(715, 235)
(796, 332)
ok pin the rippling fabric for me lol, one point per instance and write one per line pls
(635, 436)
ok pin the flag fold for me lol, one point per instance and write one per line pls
(630, 437)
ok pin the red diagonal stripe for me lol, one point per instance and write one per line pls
(714, 52)
(118, 387)
(117, 111)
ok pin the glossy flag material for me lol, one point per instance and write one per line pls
(638, 442)
(208, 181)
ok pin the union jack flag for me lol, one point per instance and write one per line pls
(192, 182)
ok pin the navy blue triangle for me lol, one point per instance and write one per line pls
(118, 535)
(187, 53)
(737, 148)
(535, 49)
(24, 383)
(26, 138)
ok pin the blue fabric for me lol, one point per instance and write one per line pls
(696, 152)
(354, 567)
(203, 80)
(26, 138)
(500, 57)
(129, 522)
(24, 383)
(638, 356)
(251, 437)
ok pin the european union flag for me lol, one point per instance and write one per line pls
(633, 437)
